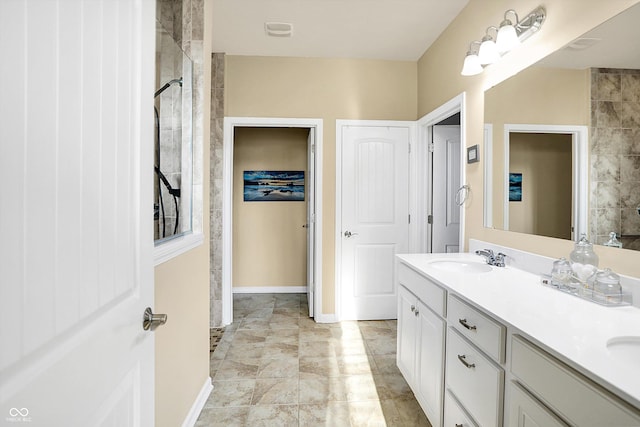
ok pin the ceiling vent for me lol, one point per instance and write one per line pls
(278, 29)
(583, 43)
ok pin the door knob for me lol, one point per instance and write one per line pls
(348, 234)
(151, 321)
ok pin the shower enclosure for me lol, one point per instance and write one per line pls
(173, 139)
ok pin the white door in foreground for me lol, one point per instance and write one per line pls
(374, 218)
(76, 266)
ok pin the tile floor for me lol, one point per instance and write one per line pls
(276, 367)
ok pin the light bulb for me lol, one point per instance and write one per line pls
(488, 52)
(507, 37)
(471, 65)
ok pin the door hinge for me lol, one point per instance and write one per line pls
(432, 147)
(313, 148)
(409, 148)
(430, 219)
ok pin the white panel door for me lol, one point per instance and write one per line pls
(76, 266)
(374, 218)
(446, 182)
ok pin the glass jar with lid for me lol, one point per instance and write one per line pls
(607, 287)
(561, 273)
(584, 262)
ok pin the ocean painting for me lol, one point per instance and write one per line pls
(273, 186)
(515, 187)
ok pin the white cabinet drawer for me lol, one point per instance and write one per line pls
(475, 380)
(480, 329)
(428, 292)
(571, 395)
(454, 415)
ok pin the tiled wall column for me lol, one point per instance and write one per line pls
(217, 122)
(615, 156)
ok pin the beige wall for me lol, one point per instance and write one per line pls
(269, 242)
(182, 290)
(544, 160)
(439, 80)
(329, 89)
(545, 96)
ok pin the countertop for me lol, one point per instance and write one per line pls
(574, 330)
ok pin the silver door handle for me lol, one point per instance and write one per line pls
(348, 234)
(151, 321)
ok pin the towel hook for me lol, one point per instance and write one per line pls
(462, 194)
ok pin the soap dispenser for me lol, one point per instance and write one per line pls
(584, 262)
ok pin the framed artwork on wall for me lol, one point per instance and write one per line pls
(273, 186)
(515, 187)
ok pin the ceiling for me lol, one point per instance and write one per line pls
(373, 29)
(610, 45)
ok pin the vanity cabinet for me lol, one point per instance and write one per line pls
(470, 366)
(420, 352)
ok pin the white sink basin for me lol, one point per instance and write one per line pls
(625, 349)
(460, 266)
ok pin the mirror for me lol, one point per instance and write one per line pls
(173, 147)
(588, 93)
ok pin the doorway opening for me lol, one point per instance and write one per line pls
(442, 183)
(280, 236)
(559, 150)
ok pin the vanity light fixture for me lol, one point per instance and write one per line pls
(472, 64)
(508, 36)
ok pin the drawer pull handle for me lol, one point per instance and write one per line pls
(462, 358)
(464, 323)
(413, 308)
(459, 425)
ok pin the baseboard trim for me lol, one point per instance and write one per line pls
(196, 408)
(326, 318)
(270, 290)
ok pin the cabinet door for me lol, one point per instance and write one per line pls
(525, 411)
(430, 362)
(406, 334)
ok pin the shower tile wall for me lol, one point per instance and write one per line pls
(217, 121)
(184, 20)
(615, 156)
(170, 105)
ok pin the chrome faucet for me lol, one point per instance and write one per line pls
(496, 260)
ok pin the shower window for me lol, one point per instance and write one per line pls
(173, 160)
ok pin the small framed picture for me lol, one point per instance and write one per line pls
(473, 154)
